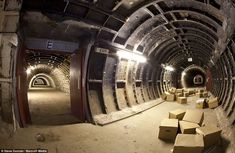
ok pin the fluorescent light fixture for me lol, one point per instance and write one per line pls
(169, 68)
(28, 71)
(132, 56)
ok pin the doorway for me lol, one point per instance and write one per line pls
(48, 84)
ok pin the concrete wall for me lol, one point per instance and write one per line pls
(9, 17)
(7, 52)
(61, 80)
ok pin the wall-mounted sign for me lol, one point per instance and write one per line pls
(102, 50)
(190, 59)
(49, 44)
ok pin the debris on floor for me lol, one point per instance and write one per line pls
(40, 137)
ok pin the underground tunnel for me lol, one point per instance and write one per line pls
(96, 75)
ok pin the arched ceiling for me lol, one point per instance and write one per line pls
(167, 31)
(51, 60)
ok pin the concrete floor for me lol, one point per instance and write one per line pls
(49, 106)
(137, 134)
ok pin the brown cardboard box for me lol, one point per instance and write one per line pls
(168, 129)
(186, 94)
(179, 90)
(177, 114)
(172, 90)
(213, 103)
(194, 116)
(182, 100)
(200, 90)
(188, 127)
(178, 95)
(200, 103)
(211, 135)
(205, 94)
(199, 95)
(188, 143)
(170, 97)
(163, 96)
(191, 91)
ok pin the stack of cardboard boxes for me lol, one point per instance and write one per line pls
(207, 103)
(180, 95)
(213, 102)
(201, 93)
(175, 95)
(193, 137)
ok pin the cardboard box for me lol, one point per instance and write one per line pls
(188, 143)
(168, 129)
(179, 90)
(163, 96)
(188, 127)
(213, 103)
(172, 90)
(178, 95)
(191, 91)
(177, 114)
(194, 116)
(170, 97)
(186, 94)
(205, 94)
(182, 100)
(201, 90)
(211, 135)
(200, 103)
(199, 95)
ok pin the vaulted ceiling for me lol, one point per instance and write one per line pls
(167, 31)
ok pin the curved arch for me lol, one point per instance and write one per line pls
(40, 81)
(44, 76)
(198, 79)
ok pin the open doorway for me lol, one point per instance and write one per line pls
(48, 80)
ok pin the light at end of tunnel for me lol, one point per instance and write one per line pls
(131, 56)
(28, 71)
(169, 68)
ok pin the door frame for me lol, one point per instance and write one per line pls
(80, 102)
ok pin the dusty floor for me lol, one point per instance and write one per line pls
(137, 134)
(49, 107)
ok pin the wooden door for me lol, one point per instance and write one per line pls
(22, 88)
(77, 104)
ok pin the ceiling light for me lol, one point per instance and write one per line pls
(190, 59)
(131, 56)
(28, 71)
(169, 68)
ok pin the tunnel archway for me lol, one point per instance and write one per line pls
(176, 33)
(46, 80)
(48, 88)
(193, 77)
